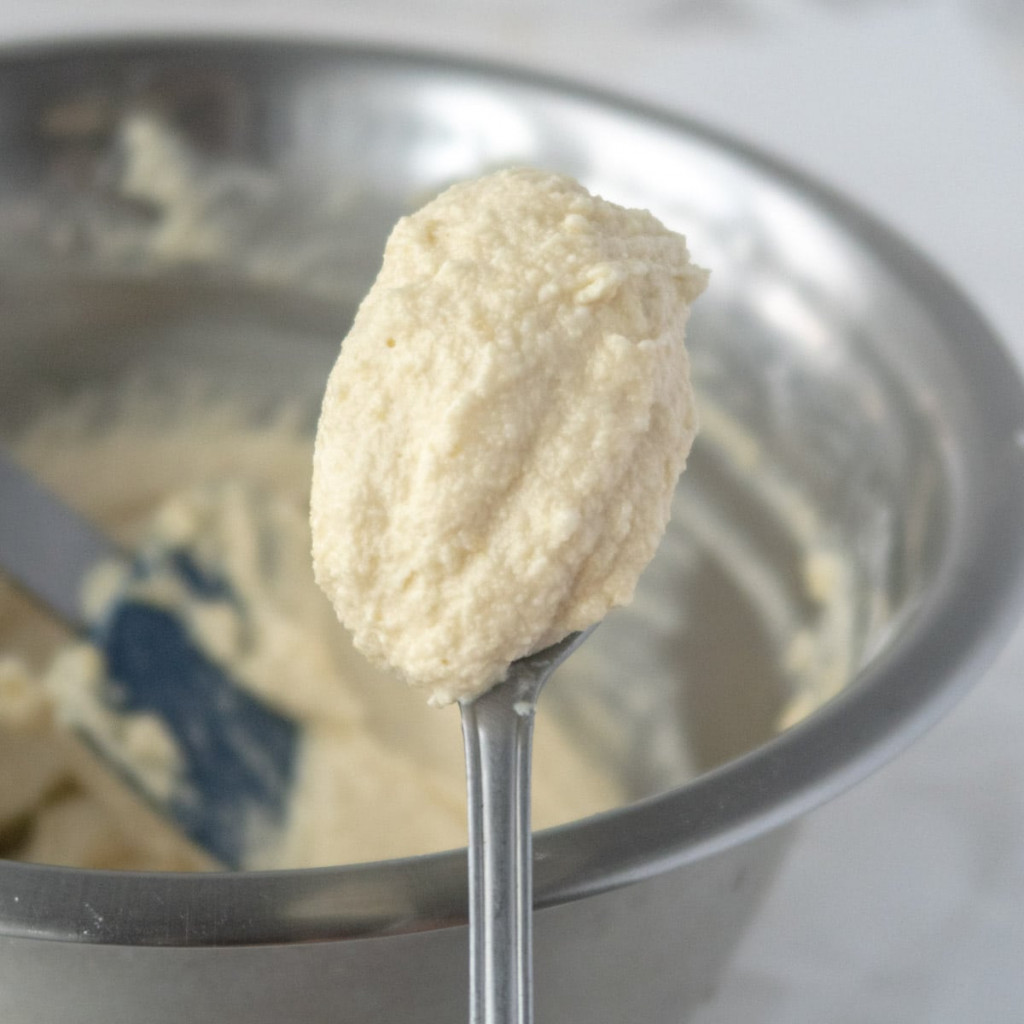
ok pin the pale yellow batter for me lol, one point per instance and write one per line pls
(504, 428)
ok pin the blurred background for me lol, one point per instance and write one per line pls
(903, 900)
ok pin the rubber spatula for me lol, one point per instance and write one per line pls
(237, 754)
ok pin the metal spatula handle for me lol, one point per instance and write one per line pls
(46, 546)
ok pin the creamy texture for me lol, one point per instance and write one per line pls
(503, 431)
(379, 776)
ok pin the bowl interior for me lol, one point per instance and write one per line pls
(218, 214)
(225, 221)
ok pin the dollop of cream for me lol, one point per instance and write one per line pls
(503, 430)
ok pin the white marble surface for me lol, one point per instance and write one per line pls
(903, 901)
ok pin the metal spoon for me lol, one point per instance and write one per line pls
(238, 754)
(497, 730)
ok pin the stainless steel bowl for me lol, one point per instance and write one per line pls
(855, 404)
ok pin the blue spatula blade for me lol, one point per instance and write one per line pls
(238, 754)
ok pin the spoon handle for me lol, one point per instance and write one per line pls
(497, 730)
(498, 737)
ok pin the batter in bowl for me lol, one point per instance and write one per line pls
(379, 776)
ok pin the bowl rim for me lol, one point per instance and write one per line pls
(955, 633)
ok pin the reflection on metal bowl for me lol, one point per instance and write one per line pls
(844, 558)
